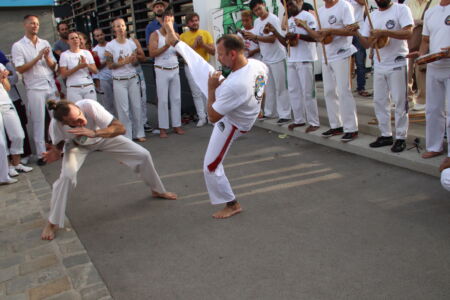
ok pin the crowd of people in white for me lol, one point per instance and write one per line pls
(110, 73)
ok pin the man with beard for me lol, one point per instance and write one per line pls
(63, 43)
(158, 8)
(34, 59)
(104, 75)
(233, 105)
(78, 130)
(202, 42)
(300, 65)
(393, 21)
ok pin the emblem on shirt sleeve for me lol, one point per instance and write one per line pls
(260, 83)
(390, 24)
(332, 19)
(447, 20)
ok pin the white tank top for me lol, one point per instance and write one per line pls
(168, 58)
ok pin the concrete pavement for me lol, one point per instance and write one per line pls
(318, 224)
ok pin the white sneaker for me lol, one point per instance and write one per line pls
(201, 122)
(12, 172)
(21, 168)
(9, 181)
(25, 160)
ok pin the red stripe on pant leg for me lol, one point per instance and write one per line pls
(213, 166)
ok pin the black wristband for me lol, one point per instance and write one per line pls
(174, 44)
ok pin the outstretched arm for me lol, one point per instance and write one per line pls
(114, 129)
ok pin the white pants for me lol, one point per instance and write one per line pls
(445, 179)
(36, 106)
(438, 97)
(4, 176)
(302, 92)
(108, 96)
(143, 90)
(121, 149)
(76, 94)
(391, 84)
(277, 96)
(168, 87)
(197, 95)
(341, 107)
(219, 188)
(127, 97)
(11, 122)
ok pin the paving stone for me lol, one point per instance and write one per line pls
(4, 249)
(22, 283)
(94, 292)
(8, 196)
(69, 295)
(45, 191)
(49, 289)
(26, 244)
(40, 223)
(39, 185)
(31, 217)
(76, 260)
(82, 276)
(66, 234)
(11, 261)
(44, 250)
(22, 296)
(2, 289)
(71, 247)
(8, 273)
(45, 197)
(38, 264)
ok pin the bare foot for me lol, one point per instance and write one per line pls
(140, 140)
(179, 130)
(163, 133)
(49, 231)
(166, 195)
(227, 211)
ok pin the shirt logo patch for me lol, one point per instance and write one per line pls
(447, 20)
(332, 19)
(221, 126)
(260, 83)
(390, 24)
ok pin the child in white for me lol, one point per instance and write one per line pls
(390, 74)
(436, 33)
(127, 94)
(301, 73)
(79, 84)
(339, 100)
(167, 82)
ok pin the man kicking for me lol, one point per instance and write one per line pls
(76, 131)
(233, 105)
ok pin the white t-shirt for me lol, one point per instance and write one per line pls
(239, 97)
(250, 45)
(105, 73)
(437, 27)
(304, 51)
(4, 97)
(70, 60)
(121, 51)
(358, 11)
(97, 118)
(271, 52)
(396, 17)
(338, 16)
